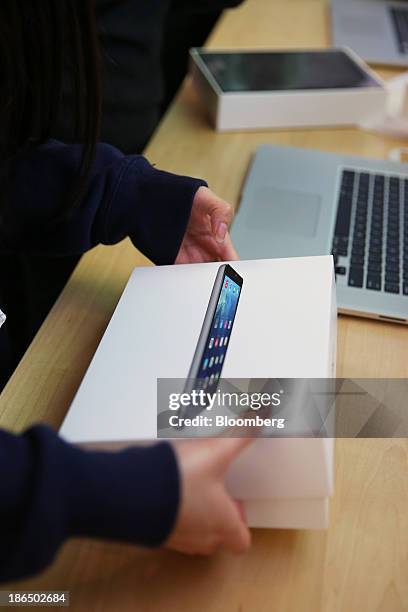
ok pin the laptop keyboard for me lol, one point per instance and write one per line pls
(400, 19)
(371, 232)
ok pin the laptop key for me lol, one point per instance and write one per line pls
(391, 277)
(343, 215)
(392, 288)
(392, 260)
(374, 282)
(356, 277)
(357, 260)
(359, 235)
(348, 176)
(376, 242)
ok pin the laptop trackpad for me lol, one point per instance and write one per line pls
(284, 212)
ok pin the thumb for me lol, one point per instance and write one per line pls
(219, 211)
(221, 217)
(236, 537)
(225, 450)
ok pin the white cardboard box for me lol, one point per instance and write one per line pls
(285, 328)
(249, 110)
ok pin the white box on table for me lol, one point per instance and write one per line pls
(285, 328)
(236, 109)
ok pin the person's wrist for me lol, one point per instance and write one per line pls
(130, 495)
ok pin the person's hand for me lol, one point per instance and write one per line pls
(207, 237)
(208, 518)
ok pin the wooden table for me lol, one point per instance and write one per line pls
(361, 562)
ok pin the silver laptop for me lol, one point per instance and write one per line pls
(298, 202)
(377, 30)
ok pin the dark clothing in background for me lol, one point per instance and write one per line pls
(29, 286)
(188, 24)
(145, 48)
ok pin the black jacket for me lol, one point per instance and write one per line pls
(50, 490)
(145, 48)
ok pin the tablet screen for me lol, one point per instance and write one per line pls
(285, 71)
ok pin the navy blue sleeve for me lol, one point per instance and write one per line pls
(126, 196)
(50, 490)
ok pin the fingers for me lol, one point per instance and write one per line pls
(208, 518)
(241, 512)
(234, 534)
(206, 203)
(237, 537)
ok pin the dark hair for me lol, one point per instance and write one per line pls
(47, 46)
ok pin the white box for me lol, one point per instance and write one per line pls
(249, 110)
(288, 305)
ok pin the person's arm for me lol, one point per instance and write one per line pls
(50, 490)
(126, 196)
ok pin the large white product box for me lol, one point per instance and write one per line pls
(285, 327)
(236, 94)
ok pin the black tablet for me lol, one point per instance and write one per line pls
(285, 70)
